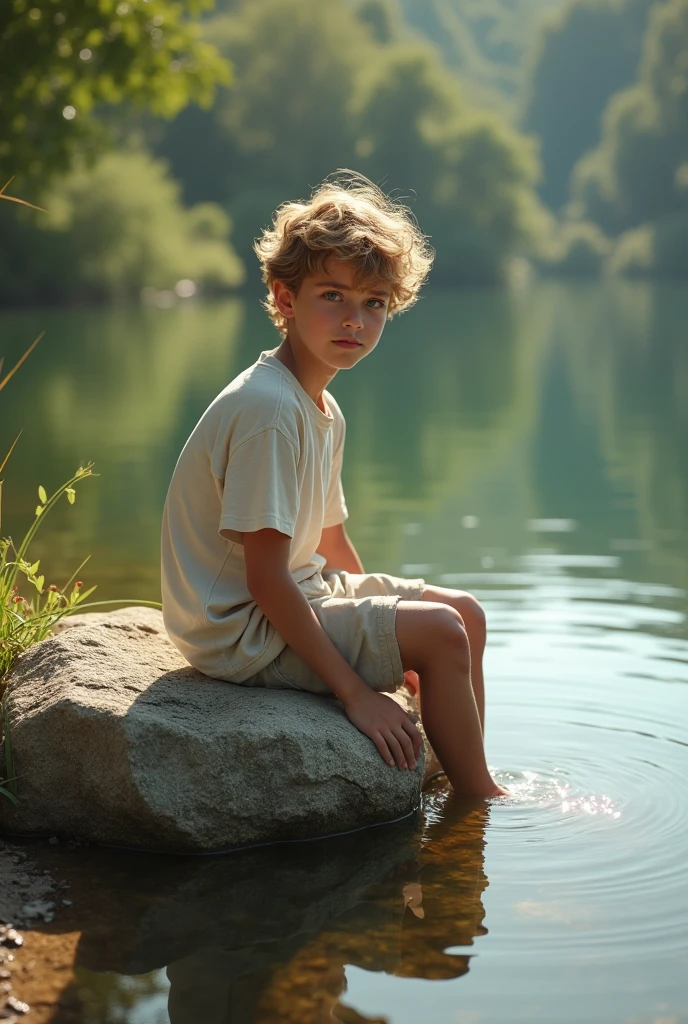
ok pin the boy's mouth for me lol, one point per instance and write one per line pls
(347, 342)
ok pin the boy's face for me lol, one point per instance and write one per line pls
(337, 321)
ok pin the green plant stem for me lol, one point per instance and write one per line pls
(31, 532)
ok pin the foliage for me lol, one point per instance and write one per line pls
(578, 249)
(288, 110)
(638, 174)
(473, 174)
(112, 230)
(633, 254)
(484, 43)
(61, 60)
(23, 622)
(583, 53)
(658, 249)
(323, 93)
(381, 17)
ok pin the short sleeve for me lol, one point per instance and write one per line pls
(335, 503)
(261, 487)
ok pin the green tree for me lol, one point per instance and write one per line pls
(583, 53)
(382, 18)
(638, 175)
(286, 118)
(473, 175)
(62, 59)
(111, 230)
(577, 249)
(323, 93)
(484, 43)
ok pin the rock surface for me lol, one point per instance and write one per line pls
(117, 740)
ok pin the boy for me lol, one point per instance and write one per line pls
(261, 585)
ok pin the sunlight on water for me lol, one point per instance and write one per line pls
(532, 788)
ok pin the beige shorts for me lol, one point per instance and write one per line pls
(358, 613)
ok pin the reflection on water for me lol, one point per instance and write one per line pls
(265, 934)
(530, 448)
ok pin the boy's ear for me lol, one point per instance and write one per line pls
(284, 299)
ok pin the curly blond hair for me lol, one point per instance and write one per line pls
(347, 218)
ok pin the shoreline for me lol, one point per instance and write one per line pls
(35, 961)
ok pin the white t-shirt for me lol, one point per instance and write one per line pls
(262, 455)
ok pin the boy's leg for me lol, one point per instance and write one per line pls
(433, 642)
(473, 616)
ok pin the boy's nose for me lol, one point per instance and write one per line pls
(353, 320)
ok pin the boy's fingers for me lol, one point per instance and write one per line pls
(416, 738)
(379, 741)
(413, 731)
(407, 746)
(395, 747)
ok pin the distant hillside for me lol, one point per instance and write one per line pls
(485, 41)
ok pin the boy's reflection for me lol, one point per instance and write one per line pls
(400, 923)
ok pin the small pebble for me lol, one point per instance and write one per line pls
(5, 974)
(53, 840)
(10, 937)
(17, 1006)
(66, 903)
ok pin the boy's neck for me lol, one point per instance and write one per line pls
(311, 373)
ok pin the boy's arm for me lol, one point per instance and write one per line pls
(338, 550)
(274, 590)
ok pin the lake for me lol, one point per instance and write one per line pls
(528, 446)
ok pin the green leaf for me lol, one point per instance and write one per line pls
(39, 509)
(10, 796)
(33, 569)
(39, 581)
(71, 495)
(42, 495)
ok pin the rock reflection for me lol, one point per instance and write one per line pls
(265, 935)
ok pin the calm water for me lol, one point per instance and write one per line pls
(531, 448)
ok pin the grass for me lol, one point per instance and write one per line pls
(25, 622)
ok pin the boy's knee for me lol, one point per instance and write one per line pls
(473, 613)
(446, 633)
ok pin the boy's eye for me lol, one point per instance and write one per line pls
(378, 303)
(332, 296)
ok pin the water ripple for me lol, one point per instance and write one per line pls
(586, 856)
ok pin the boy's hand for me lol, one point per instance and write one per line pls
(388, 726)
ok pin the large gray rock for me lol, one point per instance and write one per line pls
(118, 740)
